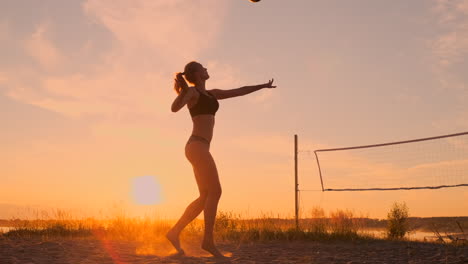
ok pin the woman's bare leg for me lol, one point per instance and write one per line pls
(211, 207)
(209, 186)
(192, 211)
(210, 181)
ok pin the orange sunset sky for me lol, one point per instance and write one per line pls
(86, 89)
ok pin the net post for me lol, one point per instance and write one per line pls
(320, 171)
(296, 183)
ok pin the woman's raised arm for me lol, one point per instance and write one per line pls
(224, 94)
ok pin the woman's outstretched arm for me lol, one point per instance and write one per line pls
(224, 94)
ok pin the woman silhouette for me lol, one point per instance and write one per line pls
(202, 105)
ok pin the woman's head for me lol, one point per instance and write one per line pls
(195, 73)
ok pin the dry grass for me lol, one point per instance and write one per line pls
(339, 224)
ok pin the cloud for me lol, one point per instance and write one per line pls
(450, 48)
(173, 30)
(449, 54)
(133, 79)
(226, 76)
(451, 45)
(42, 49)
(113, 92)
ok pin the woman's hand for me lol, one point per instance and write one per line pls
(269, 84)
(177, 86)
(179, 83)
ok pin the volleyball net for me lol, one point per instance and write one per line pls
(424, 163)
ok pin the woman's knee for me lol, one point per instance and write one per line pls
(215, 192)
(211, 193)
(203, 195)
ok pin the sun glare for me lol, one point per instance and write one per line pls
(146, 190)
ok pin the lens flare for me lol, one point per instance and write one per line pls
(146, 190)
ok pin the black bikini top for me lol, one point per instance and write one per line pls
(206, 105)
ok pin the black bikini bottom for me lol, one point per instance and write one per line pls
(198, 138)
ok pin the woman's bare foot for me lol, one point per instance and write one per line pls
(180, 253)
(173, 237)
(210, 247)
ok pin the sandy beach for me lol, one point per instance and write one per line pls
(90, 251)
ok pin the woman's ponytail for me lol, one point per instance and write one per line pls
(180, 83)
